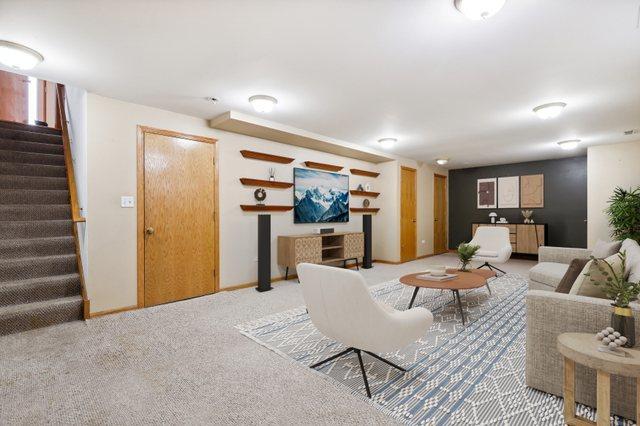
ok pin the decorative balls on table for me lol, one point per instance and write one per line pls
(611, 338)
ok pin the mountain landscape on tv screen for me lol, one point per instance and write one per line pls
(320, 197)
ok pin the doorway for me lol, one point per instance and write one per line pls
(439, 214)
(14, 97)
(408, 213)
(177, 216)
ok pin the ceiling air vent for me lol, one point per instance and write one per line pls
(632, 132)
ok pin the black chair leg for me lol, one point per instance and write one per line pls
(364, 373)
(357, 265)
(331, 358)
(386, 361)
(286, 273)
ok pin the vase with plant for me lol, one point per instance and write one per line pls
(624, 218)
(621, 292)
(465, 253)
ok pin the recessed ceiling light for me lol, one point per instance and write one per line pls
(17, 56)
(387, 142)
(442, 161)
(569, 145)
(479, 9)
(551, 110)
(263, 103)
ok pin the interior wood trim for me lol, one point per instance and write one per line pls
(364, 193)
(323, 166)
(266, 183)
(113, 311)
(439, 175)
(393, 262)
(266, 157)
(364, 173)
(141, 130)
(264, 208)
(409, 168)
(86, 303)
(364, 209)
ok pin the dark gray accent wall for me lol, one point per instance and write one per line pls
(565, 200)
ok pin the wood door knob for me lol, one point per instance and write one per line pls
(150, 231)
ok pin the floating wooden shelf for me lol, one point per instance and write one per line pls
(264, 208)
(364, 173)
(364, 193)
(322, 166)
(266, 157)
(265, 183)
(364, 209)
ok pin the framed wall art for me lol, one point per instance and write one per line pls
(532, 191)
(487, 193)
(509, 192)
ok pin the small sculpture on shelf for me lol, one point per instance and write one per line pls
(492, 217)
(360, 188)
(612, 341)
(365, 203)
(527, 216)
(368, 187)
(272, 174)
(260, 195)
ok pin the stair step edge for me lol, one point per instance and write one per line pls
(26, 307)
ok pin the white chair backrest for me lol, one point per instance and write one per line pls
(492, 238)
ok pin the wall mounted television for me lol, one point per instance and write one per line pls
(320, 197)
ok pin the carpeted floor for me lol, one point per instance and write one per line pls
(179, 363)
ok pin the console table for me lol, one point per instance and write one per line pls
(319, 248)
(525, 238)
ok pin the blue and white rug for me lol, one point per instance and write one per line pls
(457, 375)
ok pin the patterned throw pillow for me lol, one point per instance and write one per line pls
(583, 286)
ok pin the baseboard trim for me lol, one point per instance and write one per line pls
(112, 311)
(399, 262)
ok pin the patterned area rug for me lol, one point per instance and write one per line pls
(457, 375)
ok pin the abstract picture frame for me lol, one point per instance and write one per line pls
(509, 192)
(486, 193)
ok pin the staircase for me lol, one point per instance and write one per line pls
(39, 279)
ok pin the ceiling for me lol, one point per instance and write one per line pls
(360, 70)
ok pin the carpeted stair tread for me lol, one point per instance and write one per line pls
(26, 212)
(34, 196)
(29, 128)
(34, 267)
(28, 316)
(22, 169)
(39, 289)
(31, 158)
(32, 182)
(35, 229)
(34, 247)
(24, 135)
(25, 146)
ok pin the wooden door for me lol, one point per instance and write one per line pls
(408, 213)
(179, 226)
(14, 97)
(439, 214)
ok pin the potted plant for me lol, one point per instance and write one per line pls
(623, 214)
(621, 292)
(465, 253)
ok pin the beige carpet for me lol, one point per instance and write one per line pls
(178, 363)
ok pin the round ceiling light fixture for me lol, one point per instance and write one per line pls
(551, 110)
(478, 9)
(263, 103)
(569, 145)
(387, 143)
(442, 161)
(17, 56)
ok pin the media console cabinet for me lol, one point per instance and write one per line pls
(319, 249)
(525, 238)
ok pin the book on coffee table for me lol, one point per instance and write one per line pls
(430, 277)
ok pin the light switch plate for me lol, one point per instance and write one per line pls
(127, 202)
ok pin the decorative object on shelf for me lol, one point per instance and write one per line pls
(323, 230)
(527, 216)
(322, 166)
(487, 193)
(509, 192)
(492, 217)
(266, 157)
(368, 187)
(364, 173)
(360, 188)
(320, 197)
(623, 214)
(532, 191)
(615, 286)
(260, 195)
(612, 341)
(365, 203)
(502, 220)
(359, 193)
(272, 174)
(465, 253)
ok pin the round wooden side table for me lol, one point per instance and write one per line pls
(583, 349)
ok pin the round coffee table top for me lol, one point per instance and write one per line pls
(471, 279)
(583, 349)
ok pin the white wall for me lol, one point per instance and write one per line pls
(608, 166)
(111, 166)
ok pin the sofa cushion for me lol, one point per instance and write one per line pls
(632, 268)
(604, 249)
(548, 273)
(575, 268)
(584, 285)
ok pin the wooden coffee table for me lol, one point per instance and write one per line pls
(474, 278)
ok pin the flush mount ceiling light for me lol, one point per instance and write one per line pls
(551, 110)
(387, 143)
(263, 103)
(569, 145)
(478, 9)
(442, 161)
(17, 56)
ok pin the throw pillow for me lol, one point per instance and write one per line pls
(604, 249)
(583, 286)
(575, 268)
(632, 267)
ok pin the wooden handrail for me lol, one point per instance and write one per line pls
(76, 217)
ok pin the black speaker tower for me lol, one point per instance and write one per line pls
(264, 253)
(366, 228)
